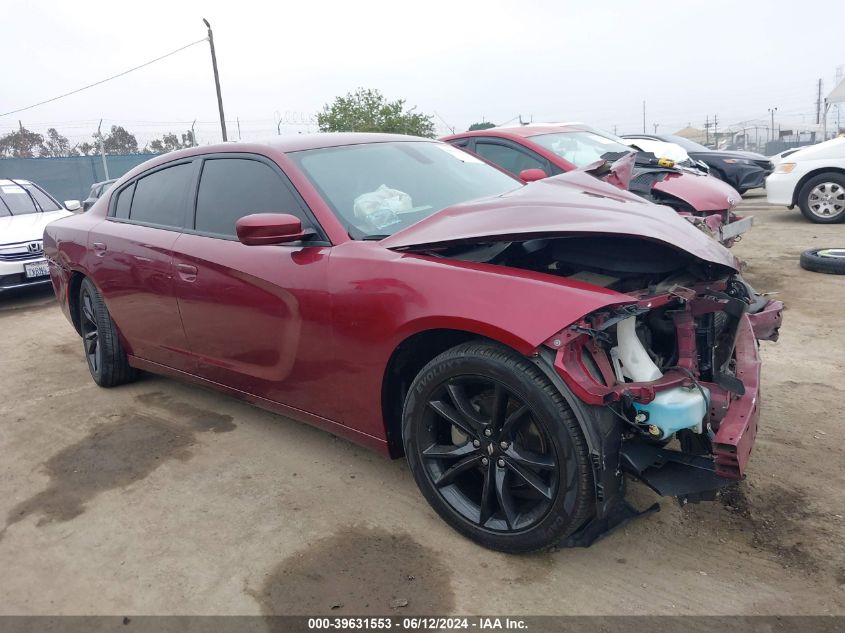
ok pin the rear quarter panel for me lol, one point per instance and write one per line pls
(66, 249)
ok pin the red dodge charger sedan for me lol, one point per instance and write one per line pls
(524, 346)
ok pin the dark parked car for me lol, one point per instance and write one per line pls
(741, 170)
(521, 345)
(97, 190)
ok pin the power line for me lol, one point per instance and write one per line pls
(125, 72)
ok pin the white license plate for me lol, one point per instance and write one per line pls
(36, 269)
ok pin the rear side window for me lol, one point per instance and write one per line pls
(124, 199)
(160, 197)
(507, 158)
(231, 188)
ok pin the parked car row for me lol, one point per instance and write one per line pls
(525, 339)
(537, 151)
(741, 170)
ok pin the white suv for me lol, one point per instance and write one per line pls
(25, 209)
(814, 179)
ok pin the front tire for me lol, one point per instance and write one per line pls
(822, 198)
(104, 353)
(496, 450)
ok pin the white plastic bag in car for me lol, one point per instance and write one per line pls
(382, 206)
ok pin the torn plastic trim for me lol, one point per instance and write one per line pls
(672, 473)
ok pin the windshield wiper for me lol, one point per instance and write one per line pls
(375, 237)
(35, 204)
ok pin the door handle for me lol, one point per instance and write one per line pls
(187, 272)
(99, 248)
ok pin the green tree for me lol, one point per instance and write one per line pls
(483, 125)
(367, 110)
(170, 143)
(87, 149)
(57, 145)
(22, 143)
(119, 141)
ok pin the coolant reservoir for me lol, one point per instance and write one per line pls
(676, 409)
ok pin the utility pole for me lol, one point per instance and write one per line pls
(716, 130)
(216, 80)
(614, 130)
(193, 135)
(707, 131)
(772, 112)
(656, 125)
(644, 117)
(102, 150)
(819, 105)
(238, 119)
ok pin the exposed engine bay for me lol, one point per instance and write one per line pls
(621, 263)
(677, 362)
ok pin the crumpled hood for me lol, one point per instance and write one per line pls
(27, 228)
(700, 191)
(572, 203)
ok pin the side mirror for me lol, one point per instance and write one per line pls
(268, 228)
(530, 175)
(73, 205)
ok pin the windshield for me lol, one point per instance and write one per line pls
(690, 146)
(581, 148)
(375, 189)
(24, 198)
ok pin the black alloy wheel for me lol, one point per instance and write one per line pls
(496, 450)
(486, 456)
(104, 353)
(90, 334)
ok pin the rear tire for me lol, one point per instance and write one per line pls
(822, 198)
(496, 450)
(106, 358)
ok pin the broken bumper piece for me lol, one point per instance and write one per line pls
(738, 429)
(766, 323)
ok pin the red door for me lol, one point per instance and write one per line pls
(133, 265)
(257, 318)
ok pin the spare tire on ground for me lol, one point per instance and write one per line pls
(824, 260)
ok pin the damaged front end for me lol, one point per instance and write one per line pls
(668, 384)
(665, 377)
(706, 202)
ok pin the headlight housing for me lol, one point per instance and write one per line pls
(736, 161)
(785, 168)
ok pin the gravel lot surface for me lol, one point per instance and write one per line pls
(164, 498)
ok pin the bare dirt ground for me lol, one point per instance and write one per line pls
(163, 498)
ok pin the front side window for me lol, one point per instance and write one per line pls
(510, 159)
(160, 197)
(375, 189)
(231, 188)
(582, 148)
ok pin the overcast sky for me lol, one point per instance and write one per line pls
(463, 60)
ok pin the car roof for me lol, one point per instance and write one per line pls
(17, 181)
(522, 131)
(282, 144)
(301, 142)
